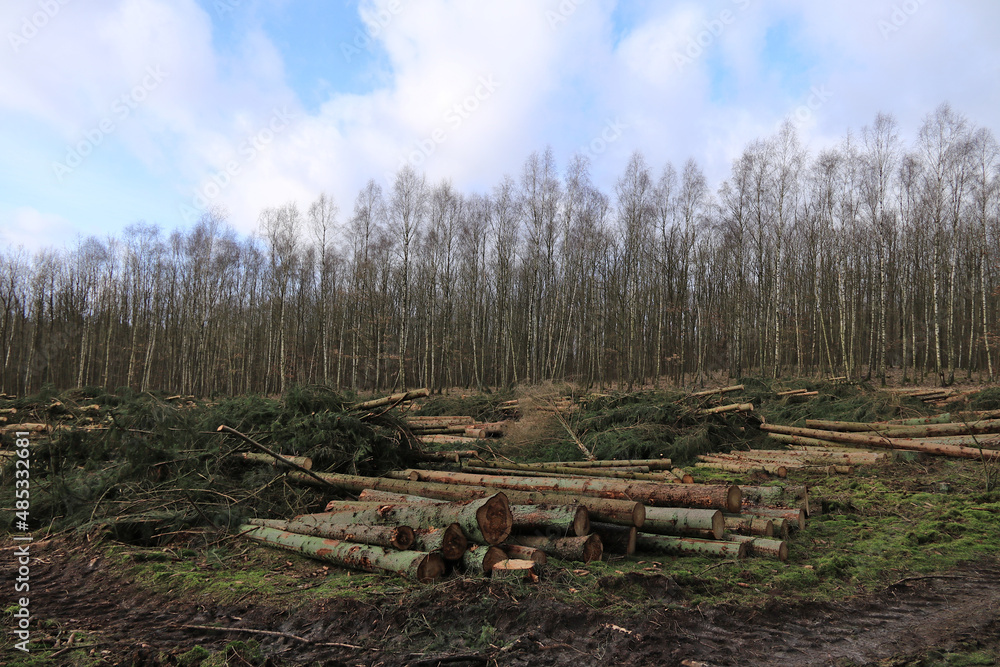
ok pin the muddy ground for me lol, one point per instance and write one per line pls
(78, 587)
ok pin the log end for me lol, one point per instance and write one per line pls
(403, 537)
(515, 568)
(454, 542)
(734, 499)
(495, 519)
(493, 556)
(718, 525)
(581, 522)
(783, 551)
(593, 548)
(638, 515)
(431, 568)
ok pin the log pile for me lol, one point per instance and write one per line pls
(935, 396)
(453, 429)
(971, 435)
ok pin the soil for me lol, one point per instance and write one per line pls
(74, 586)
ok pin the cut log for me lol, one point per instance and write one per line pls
(781, 495)
(415, 565)
(923, 431)
(617, 540)
(439, 422)
(879, 440)
(454, 456)
(390, 537)
(801, 396)
(569, 470)
(259, 457)
(585, 548)
(748, 524)
(484, 521)
(721, 409)
(446, 440)
(480, 559)
(567, 520)
(26, 428)
(477, 433)
(450, 541)
(681, 546)
(790, 392)
(393, 398)
(720, 390)
(763, 547)
(580, 473)
(624, 512)
(715, 463)
(524, 553)
(515, 568)
(796, 517)
(651, 464)
(721, 497)
(683, 521)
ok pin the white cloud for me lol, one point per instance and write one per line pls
(33, 230)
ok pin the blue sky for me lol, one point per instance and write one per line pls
(125, 110)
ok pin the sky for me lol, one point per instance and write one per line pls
(118, 111)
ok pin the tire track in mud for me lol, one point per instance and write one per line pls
(906, 619)
(81, 591)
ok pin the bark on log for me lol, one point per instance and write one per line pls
(763, 547)
(923, 431)
(390, 537)
(681, 546)
(791, 392)
(570, 520)
(585, 548)
(720, 390)
(796, 517)
(446, 440)
(569, 470)
(484, 521)
(393, 398)
(955, 451)
(726, 498)
(579, 473)
(624, 512)
(651, 464)
(721, 409)
(524, 553)
(26, 427)
(617, 540)
(682, 521)
(258, 457)
(715, 463)
(748, 524)
(439, 422)
(781, 495)
(415, 565)
(480, 559)
(450, 541)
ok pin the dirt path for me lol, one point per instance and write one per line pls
(83, 592)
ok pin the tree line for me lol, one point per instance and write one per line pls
(872, 255)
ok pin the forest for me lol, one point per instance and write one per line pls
(875, 257)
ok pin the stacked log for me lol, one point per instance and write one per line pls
(418, 565)
(964, 439)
